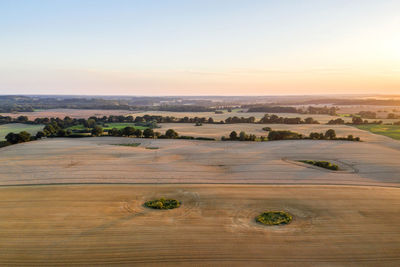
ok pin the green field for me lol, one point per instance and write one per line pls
(18, 127)
(392, 131)
(121, 125)
(118, 125)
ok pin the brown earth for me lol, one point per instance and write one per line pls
(345, 218)
(100, 160)
(107, 225)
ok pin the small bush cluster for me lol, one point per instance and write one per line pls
(163, 204)
(131, 145)
(243, 136)
(274, 218)
(15, 138)
(322, 164)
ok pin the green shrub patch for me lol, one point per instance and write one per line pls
(322, 164)
(131, 145)
(163, 204)
(274, 218)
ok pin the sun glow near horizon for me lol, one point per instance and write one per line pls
(200, 47)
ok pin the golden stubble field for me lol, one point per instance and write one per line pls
(218, 130)
(71, 201)
(381, 111)
(106, 225)
(101, 160)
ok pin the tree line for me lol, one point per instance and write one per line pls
(287, 135)
(288, 109)
(152, 120)
(354, 121)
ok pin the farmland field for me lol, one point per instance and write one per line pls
(218, 130)
(200, 133)
(187, 161)
(61, 113)
(85, 113)
(111, 125)
(66, 201)
(18, 127)
(108, 225)
(392, 131)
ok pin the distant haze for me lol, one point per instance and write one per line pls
(199, 47)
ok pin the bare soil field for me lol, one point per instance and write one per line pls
(107, 225)
(100, 160)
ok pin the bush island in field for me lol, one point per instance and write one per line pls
(163, 204)
(322, 164)
(274, 218)
(131, 145)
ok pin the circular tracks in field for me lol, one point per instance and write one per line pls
(189, 204)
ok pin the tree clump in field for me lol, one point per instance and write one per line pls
(131, 145)
(283, 135)
(243, 136)
(274, 218)
(97, 130)
(15, 138)
(331, 135)
(162, 204)
(322, 164)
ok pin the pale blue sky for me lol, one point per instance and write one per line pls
(199, 47)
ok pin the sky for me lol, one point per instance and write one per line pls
(199, 47)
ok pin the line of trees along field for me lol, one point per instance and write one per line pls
(287, 109)
(287, 135)
(160, 119)
(152, 120)
(354, 121)
(56, 127)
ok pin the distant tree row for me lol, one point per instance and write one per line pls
(242, 136)
(331, 135)
(393, 116)
(271, 119)
(152, 120)
(354, 121)
(287, 135)
(133, 132)
(288, 109)
(367, 114)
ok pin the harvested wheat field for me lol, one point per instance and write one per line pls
(101, 160)
(98, 224)
(218, 130)
(80, 201)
